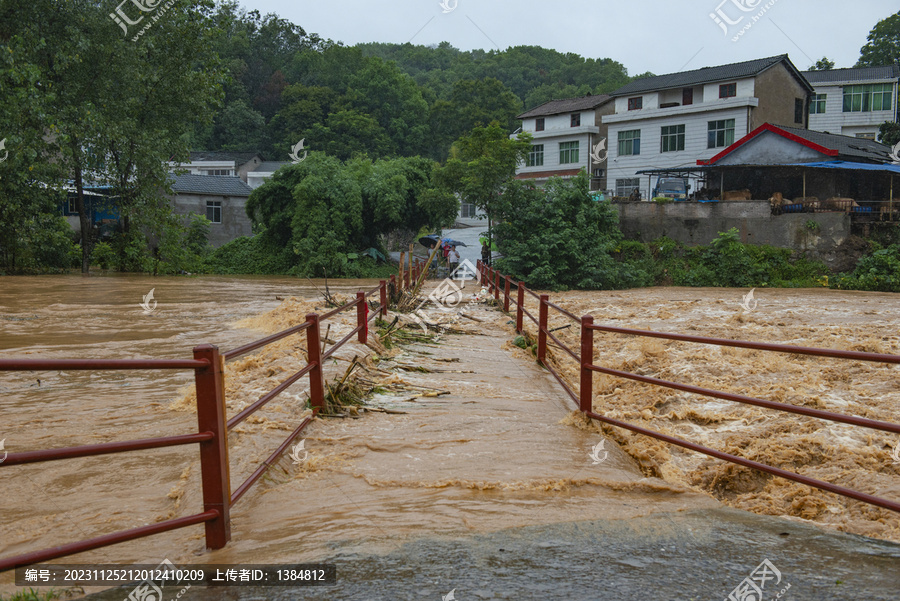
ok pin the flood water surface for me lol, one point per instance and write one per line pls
(431, 481)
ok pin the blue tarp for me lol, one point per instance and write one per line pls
(848, 165)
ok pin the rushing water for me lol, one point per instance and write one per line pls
(494, 465)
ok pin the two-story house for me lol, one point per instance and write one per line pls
(566, 134)
(672, 121)
(853, 102)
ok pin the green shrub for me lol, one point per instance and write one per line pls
(559, 238)
(877, 272)
(103, 255)
(249, 255)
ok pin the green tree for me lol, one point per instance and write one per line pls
(483, 101)
(889, 133)
(240, 128)
(482, 164)
(823, 64)
(883, 46)
(111, 109)
(559, 237)
(325, 211)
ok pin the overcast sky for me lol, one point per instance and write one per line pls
(662, 36)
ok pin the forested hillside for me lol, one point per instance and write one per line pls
(383, 99)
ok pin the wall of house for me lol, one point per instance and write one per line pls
(247, 167)
(601, 183)
(699, 223)
(695, 142)
(836, 121)
(745, 88)
(235, 222)
(777, 90)
(768, 148)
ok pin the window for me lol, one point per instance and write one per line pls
(672, 138)
(630, 142)
(864, 99)
(817, 106)
(576, 120)
(536, 156)
(218, 172)
(539, 124)
(467, 210)
(798, 110)
(721, 133)
(73, 210)
(728, 90)
(687, 96)
(635, 104)
(568, 152)
(214, 211)
(624, 187)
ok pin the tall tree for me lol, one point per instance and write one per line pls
(823, 64)
(325, 210)
(482, 164)
(112, 109)
(883, 46)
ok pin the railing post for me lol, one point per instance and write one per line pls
(214, 468)
(362, 314)
(393, 291)
(497, 285)
(586, 388)
(506, 295)
(406, 281)
(542, 328)
(383, 296)
(314, 356)
(520, 307)
(478, 271)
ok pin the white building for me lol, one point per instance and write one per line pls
(673, 121)
(853, 102)
(222, 164)
(565, 132)
(264, 171)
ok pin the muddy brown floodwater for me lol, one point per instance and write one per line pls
(101, 318)
(501, 456)
(843, 454)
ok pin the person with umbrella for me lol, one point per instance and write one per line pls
(485, 252)
(453, 259)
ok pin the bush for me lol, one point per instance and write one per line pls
(877, 272)
(726, 262)
(250, 255)
(559, 237)
(103, 255)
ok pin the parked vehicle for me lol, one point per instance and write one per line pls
(675, 188)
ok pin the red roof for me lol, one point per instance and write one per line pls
(775, 130)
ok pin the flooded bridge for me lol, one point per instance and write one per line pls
(472, 477)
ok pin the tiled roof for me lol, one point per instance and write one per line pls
(887, 72)
(214, 155)
(838, 147)
(847, 147)
(270, 166)
(706, 75)
(213, 185)
(566, 105)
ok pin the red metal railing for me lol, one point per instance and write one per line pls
(208, 366)
(584, 397)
